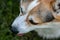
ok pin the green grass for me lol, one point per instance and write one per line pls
(9, 10)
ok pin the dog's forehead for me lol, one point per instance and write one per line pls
(32, 5)
(29, 4)
(38, 3)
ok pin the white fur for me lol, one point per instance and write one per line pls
(49, 32)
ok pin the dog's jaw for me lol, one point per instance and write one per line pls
(49, 32)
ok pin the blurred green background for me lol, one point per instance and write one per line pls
(9, 10)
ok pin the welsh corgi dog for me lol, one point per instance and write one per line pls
(43, 16)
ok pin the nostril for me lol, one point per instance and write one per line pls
(14, 30)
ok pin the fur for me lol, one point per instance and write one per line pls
(42, 13)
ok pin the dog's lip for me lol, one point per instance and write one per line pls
(20, 34)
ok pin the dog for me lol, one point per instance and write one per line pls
(43, 16)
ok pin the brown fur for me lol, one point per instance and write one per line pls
(43, 6)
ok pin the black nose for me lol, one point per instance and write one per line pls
(14, 30)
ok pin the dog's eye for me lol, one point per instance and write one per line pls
(32, 22)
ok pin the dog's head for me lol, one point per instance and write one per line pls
(33, 14)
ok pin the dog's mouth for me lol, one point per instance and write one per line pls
(20, 34)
